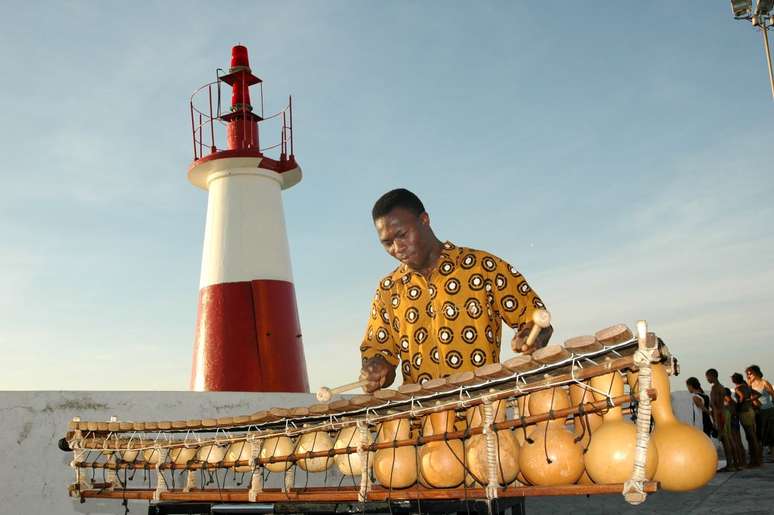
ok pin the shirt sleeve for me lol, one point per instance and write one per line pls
(379, 338)
(513, 297)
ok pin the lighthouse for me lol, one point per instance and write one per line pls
(248, 336)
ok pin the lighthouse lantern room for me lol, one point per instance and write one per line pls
(248, 336)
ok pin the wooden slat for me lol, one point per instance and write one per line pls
(300, 411)
(493, 371)
(614, 334)
(437, 385)
(319, 409)
(388, 394)
(462, 378)
(582, 345)
(520, 364)
(410, 389)
(550, 354)
(361, 401)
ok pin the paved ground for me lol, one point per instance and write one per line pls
(750, 491)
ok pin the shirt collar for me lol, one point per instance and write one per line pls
(446, 252)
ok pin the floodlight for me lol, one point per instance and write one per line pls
(763, 19)
(763, 7)
(741, 8)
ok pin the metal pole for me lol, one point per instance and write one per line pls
(765, 31)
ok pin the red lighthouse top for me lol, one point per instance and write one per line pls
(241, 120)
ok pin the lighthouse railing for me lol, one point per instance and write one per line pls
(208, 127)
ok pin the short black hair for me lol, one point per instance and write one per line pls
(712, 372)
(400, 197)
(737, 378)
(694, 383)
(727, 392)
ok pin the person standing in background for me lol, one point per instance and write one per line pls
(700, 407)
(746, 414)
(732, 419)
(764, 407)
(721, 416)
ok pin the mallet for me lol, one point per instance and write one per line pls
(324, 394)
(541, 319)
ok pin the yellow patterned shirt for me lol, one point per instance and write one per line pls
(450, 321)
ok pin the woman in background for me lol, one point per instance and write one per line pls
(700, 408)
(764, 406)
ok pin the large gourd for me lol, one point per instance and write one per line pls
(275, 447)
(351, 464)
(686, 456)
(395, 467)
(442, 463)
(553, 457)
(316, 441)
(610, 455)
(507, 447)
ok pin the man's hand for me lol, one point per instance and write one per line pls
(519, 341)
(378, 372)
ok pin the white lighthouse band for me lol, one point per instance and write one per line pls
(245, 236)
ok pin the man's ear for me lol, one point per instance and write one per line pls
(424, 219)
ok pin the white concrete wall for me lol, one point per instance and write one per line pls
(34, 473)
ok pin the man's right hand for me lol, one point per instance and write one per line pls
(378, 372)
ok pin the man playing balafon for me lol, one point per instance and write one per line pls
(440, 311)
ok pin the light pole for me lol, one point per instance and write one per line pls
(760, 17)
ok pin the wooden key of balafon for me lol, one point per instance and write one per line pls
(541, 319)
(324, 394)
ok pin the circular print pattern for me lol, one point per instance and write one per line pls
(489, 335)
(454, 359)
(524, 288)
(412, 315)
(469, 334)
(468, 261)
(385, 316)
(386, 283)
(416, 360)
(500, 282)
(476, 282)
(473, 308)
(381, 335)
(509, 303)
(450, 311)
(395, 300)
(446, 268)
(478, 357)
(404, 343)
(423, 378)
(396, 324)
(406, 368)
(452, 286)
(488, 264)
(432, 290)
(430, 310)
(445, 335)
(414, 292)
(434, 356)
(420, 335)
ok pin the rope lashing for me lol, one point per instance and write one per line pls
(491, 451)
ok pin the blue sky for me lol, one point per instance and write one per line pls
(619, 156)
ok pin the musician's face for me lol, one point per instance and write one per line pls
(405, 236)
